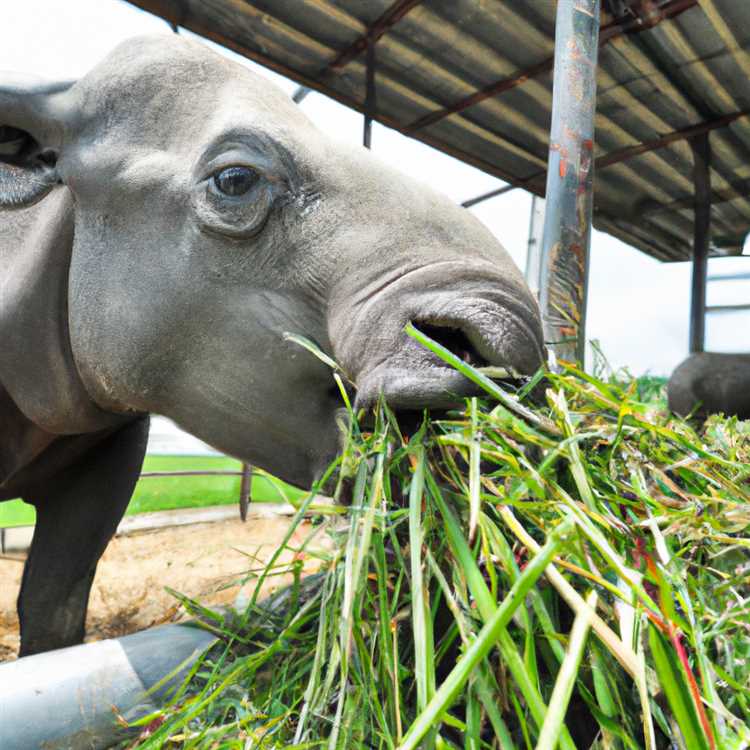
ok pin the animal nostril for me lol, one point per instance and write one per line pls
(48, 157)
(14, 142)
(454, 340)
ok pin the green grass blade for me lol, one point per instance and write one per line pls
(566, 677)
(421, 623)
(485, 640)
(482, 381)
(674, 683)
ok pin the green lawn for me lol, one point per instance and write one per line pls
(165, 493)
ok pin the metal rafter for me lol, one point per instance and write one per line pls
(282, 47)
(391, 17)
(727, 308)
(629, 152)
(737, 190)
(625, 154)
(609, 31)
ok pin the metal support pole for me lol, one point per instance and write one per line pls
(370, 93)
(486, 196)
(245, 485)
(570, 171)
(701, 238)
(65, 698)
(533, 272)
(300, 94)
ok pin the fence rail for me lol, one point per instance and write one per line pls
(245, 483)
(197, 473)
(245, 486)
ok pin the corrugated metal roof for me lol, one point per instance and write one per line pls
(473, 78)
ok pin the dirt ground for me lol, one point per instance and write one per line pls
(203, 561)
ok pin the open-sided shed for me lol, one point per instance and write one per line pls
(474, 78)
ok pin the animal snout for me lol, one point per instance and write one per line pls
(484, 328)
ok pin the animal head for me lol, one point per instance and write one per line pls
(211, 217)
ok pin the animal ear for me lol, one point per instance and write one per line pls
(32, 117)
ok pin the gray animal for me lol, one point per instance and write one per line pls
(709, 383)
(169, 217)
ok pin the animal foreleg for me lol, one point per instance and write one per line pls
(77, 515)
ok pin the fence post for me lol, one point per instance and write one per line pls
(245, 485)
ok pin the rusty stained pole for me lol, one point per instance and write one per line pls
(370, 94)
(701, 148)
(570, 172)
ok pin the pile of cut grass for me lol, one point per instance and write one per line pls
(570, 571)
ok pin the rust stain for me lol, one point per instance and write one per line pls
(583, 175)
(577, 250)
(563, 157)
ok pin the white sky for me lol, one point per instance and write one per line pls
(638, 308)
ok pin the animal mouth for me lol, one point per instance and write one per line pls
(416, 378)
(455, 340)
(479, 318)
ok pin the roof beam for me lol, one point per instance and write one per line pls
(738, 190)
(630, 152)
(491, 194)
(727, 308)
(729, 277)
(609, 31)
(388, 19)
(623, 154)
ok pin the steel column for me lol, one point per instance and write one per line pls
(701, 238)
(300, 94)
(570, 171)
(533, 271)
(370, 94)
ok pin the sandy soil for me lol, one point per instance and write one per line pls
(203, 561)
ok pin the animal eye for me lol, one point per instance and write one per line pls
(235, 181)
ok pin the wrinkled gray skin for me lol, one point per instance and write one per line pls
(131, 284)
(709, 383)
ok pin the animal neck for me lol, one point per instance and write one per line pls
(37, 370)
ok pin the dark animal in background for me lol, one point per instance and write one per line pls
(711, 383)
(168, 218)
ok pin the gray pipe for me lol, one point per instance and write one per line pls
(62, 700)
